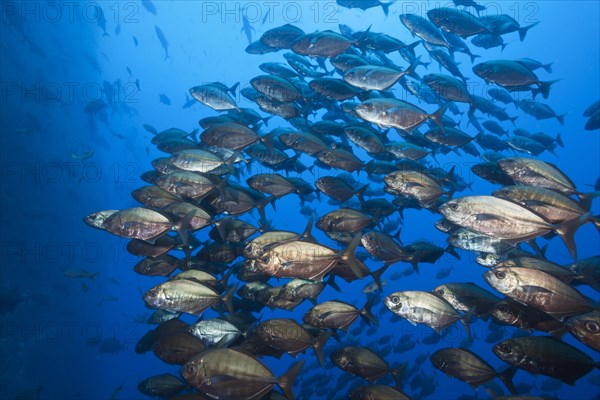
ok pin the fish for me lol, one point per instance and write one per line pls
(363, 362)
(396, 113)
(546, 356)
(365, 4)
(290, 337)
(164, 385)
(377, 392)
(163, 41)
(506, 220)
(503, 23)
(467, 296)
(539, 290)
(539, 111)
(149, 6)
(425, 308)
(215, 331)
(229, 373)
(459, 22)
(424, 29)
(375, 77)
(470, 368)
(336, 314)
(183, 295)
(163, 98)
(321, 44)
(247, 28)
(586, 329)
(80, 274)
(100, 19)
(512, 75)
(215, 96)
(527, 318)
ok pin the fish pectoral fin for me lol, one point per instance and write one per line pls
(489, 217)
(535, 289)
(413, 184)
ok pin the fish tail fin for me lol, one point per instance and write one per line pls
(361, 193)
(545, 87)
(506, 377)
(466, 320)
(266, 120)
(451, 250)
(410, 71)
(105, 34)
(349, 257)
(548, 67)
(567, 232)
(523, 30)
(319, 344)
(287, 380)
(265, 225)
(377, 275)
(411, 48)
(228, 298)
(233, 88)
(331, 282)
(585, 199)
(263, 204)
(398, 373)
(473, 57)
(436, 117)
(415, 265)
(183, 226)
(366, 313)
(561, 119)
(559, 140)
(386, 8)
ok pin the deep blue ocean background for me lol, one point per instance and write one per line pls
(68, 338)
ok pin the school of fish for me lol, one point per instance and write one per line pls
(371, 153)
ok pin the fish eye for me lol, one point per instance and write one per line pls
(152, 293)
(191, 369)
(440, 292)
(395, 300)
(500, 274)
(592, 327)
(453, 206)
(265, 259)
(502, 308)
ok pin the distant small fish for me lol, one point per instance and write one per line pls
(147, 4)
(80, 273)
(163, 41)
(117, 29)
(164, 99)
(247, 29)
(135, 41)
(100, 20)
(137, 84)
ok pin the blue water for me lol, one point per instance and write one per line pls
(74, 338)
